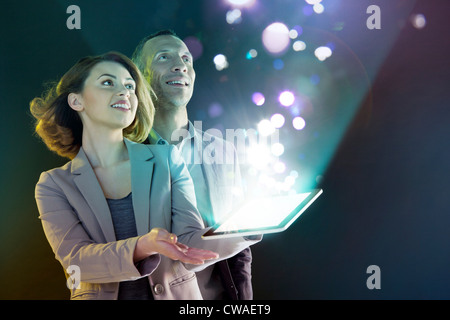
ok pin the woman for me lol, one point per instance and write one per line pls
(118, 208)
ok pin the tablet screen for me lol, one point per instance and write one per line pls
(264, 215)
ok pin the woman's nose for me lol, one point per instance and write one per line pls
(124, 91)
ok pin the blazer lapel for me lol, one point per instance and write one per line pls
(141, 179)
(87, 183)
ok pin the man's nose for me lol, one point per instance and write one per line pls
(179, 66)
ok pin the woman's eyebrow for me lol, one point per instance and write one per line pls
(107, 75)
(112, 76)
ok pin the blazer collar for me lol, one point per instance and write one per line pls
(141, 176)
(81, 163)
(141, 180)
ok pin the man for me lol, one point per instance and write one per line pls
(167, 64)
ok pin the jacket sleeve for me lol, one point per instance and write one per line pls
(241, 272)
(187, 223)
(72, 245)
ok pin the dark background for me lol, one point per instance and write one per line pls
(375, 140)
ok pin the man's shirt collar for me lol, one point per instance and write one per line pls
(155, 138)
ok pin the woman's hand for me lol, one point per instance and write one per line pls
(161, 241)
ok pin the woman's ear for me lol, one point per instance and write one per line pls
(75, 101)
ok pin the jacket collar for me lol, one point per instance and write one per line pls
(155, 138)
(141, 176)
(81, 163)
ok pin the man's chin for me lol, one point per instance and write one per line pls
(172, 104)
(177, 101)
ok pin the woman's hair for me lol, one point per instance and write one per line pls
(60, 126)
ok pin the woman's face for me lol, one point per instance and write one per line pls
(108, 99)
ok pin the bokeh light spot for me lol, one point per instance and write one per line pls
(215, 110)
(277, 120)
(315, 79)
(293, 33)
(418, 21)
(299, 45)
(298, 123)
(308, 10)
(241, 3)
(277, 149)
(195, 46)
(286, 98)
(258, 98)
(318, 8)
(221, 62)
(323, 53)
(294, 174)
(278, 64)
(234, 16)
(275, 37)
(265, 127)
(251, 54)
(279, 167)
(313, 2)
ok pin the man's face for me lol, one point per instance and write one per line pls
(171, 70)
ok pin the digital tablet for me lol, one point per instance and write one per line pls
(263, 215)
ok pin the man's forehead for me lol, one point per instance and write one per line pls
(164, 43)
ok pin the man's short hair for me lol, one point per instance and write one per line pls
(137, 54)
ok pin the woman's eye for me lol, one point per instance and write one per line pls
(162, 57)
(130, 86)
(107, 83)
